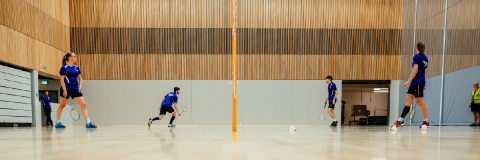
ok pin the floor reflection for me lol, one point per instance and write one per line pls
(262, 142)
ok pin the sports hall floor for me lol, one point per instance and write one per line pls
(249, 142)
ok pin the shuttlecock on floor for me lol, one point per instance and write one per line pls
(394, 128)
(424, 127)
(292, 128)
(292, 133)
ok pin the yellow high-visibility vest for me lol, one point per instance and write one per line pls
(476, 96)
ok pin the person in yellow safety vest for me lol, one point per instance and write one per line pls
(475, 104)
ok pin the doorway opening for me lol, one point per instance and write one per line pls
(365, 102)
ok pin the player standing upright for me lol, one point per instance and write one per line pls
(417, 86)
(332, 99)
(71, 87)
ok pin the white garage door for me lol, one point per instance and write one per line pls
(15, 96)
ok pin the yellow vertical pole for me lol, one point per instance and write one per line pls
(234, 64)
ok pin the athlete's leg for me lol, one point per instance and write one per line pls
(331, 113)
(408, 103)
(160, 117)
(173, 117)
(423, 107)
(63, 103)
(83, 105)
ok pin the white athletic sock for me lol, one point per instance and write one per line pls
(88, 120)
(334, 119)
(400, 119)
(426, 120)
(58, 120)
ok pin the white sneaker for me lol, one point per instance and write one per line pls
(171, 125)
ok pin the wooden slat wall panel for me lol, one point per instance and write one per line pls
(218, 66)
(20, 16)
(34, 33)
(33, 22)
(251, 41)
(463, 32)
(335, 14)
(429, 29)
(49, 56)
(463, 36)
(155, 66)
(21, 45)
(278, 39)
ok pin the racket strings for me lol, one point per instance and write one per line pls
(75, 115)
(73, 112)
(322, 116)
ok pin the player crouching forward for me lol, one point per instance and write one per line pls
(167, 101)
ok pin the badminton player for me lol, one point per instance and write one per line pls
(417, 86)
(166, 106)
(47, 108)
(332, 98)
(71, 81)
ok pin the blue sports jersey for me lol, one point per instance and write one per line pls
(169, 99)
(422, 62)
(331, 91)
(71, 76)
(45, 101)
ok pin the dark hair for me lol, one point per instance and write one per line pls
(176, 89)
(329, 77)
(45, 92)
(421, 47)
(65, 58)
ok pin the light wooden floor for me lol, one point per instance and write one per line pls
(259, 142)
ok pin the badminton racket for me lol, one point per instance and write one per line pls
(413, 111)
(74, 113)
(322, 116)
(183, 110)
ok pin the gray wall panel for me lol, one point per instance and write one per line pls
(240, 101)
(134, 102)
(228, 102)
(201, 110)
(458, 91)
(250, 100)
(116, 102)
(259, 102)
(300, 107)
(98, 110)
(216, 102)
(283, 102)
(266, 103)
